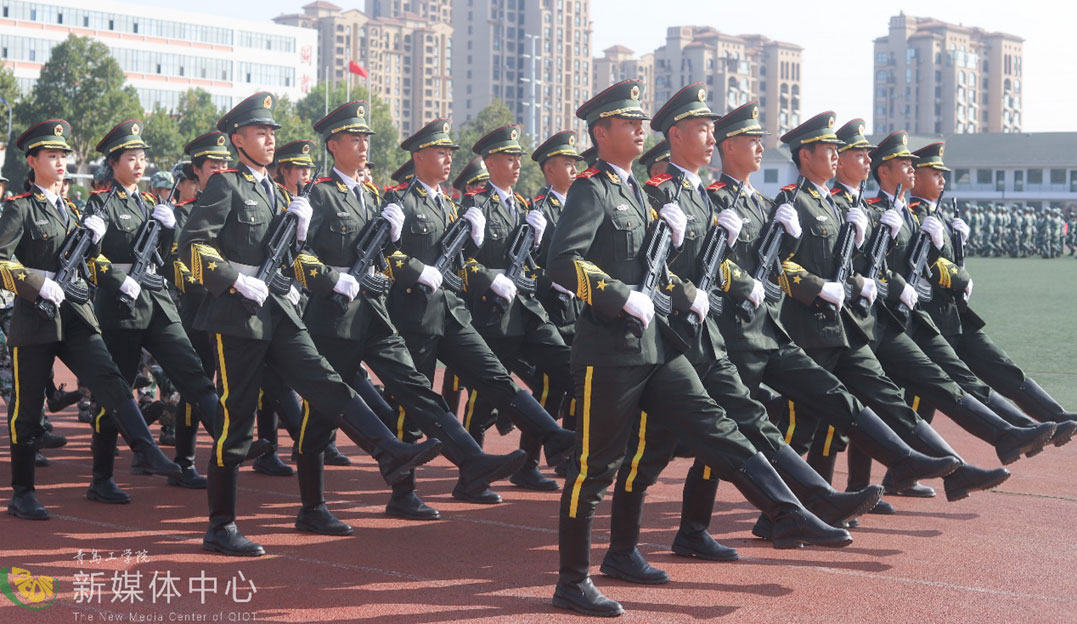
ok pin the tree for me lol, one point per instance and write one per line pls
(14, 164)
(197, 114)
(491, 118)
(83, 84)
(639, 172)
(164, 138)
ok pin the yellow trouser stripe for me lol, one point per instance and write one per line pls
(792, 423)
(471, 396)
(261, 394)
(545, 389)
(187, 414)
(455, 383)
(639, 451)
(916, 404)
(303, 425)
(400, 424)
(829, 439)
(97, 420)
(224, 398)
(706, 473)
(572, 407)
(15, 412)
(586, 428)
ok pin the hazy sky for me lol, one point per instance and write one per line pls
(836, 37)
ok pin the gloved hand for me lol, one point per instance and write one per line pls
(51, 291)
(968, 291)
(758, 294)
(293, 295)
(962, 228)
(731, 223)
(300, 207)
(430, 277)
(478, 224)
(892, 219)
(504, 288)
(537, 221)
(859, 220)
(348, 286)
(640, 306)
(701, 305)
(394, 214)
(130, 287)
(252, 288)
(96, 225)
(933, 227)
(909, 297)
(164, 215)
(787, 216)
(834, 292)
(561, 289)
(870, 291)
(674, 217)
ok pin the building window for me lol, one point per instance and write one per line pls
(961, 176)
(1019, 181)
(1058, 176)
(1035, 176)
(983, 176)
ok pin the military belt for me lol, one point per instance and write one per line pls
(250, 270)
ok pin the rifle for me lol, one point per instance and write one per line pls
(770, 243)
(878, 247)
(370, 252)
(280, 245)
(519, 259)
(714, 252)
(72, 260)
(452, 252)
(146, 256)
(918, 275)
(844, 249)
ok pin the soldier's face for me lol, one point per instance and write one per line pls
(929, 183)
(350, 150)
(504, 169)
(49, 166)
(819, 162)
(433, 164)
(691, 142)
(854, 166)
(742, 153)
(259, 142)
(621, 140)
(366, 175)
(208, 168)
(560, 171)
(128, 168)
(187, 190)
(658, 168)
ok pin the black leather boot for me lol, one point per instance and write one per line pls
(477, 469)
(528, 476)
(860, 477)
(1010, 442)
(1035, 401)
(223, 536)
(186, 439)
(395, 458)
(58, 399)
(967, 478)
(830, 505)
(574, 590)
(1064, 429)
(623, 559)
(404, 503)
(697, 507)
(314, 516)
(24, 503)
(132, 426)
(450, 391)
(906, 464)
(103, 488)
(534, 420)
(270, 463)
(333, 456)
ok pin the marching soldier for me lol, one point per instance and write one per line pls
(404, 173)
(656, 159)
(223, 244)
(161, 184)
(34, 227)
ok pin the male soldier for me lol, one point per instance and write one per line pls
(472, 178)
(433, 320)
(349, 323)
(223, 243)
(625, 359)
(656, 159)
(160, 186)
(404, 173)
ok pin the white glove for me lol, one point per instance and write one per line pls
(892, 219)
(758, 294)
(790, 220)
(701, 305)
(348, 286)
(561, 289)
(394, 214)
(961, 228)
(478, 224)
(675, 219)
(640, 306)
(909, 297)
(51, 291)
(130, 287)
(834, 292)
(252, 288)
(504, 288)
(968, 291)
(933, 227)
(431, 278)
(293, 295)
(164, 215)
(96, 225)
(870, 291)
(731, 223)
(859, 220)
(537, 221)
(300, 207)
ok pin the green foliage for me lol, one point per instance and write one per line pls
(14, 165)
(639, 172)
(163, 136)
(491, 118)
(196, 114)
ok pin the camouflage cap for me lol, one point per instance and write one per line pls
(619, 100)
(125, 135)
(688, 103)
(256, 110)
(162, 179)
(930, 155)
(48, 134)
(433, 134)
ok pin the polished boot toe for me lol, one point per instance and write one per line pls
(529, 478)
(396, 464)
(25, 505)
(967, 479)
(1064, 432)
(271, 465)
(882, 508)
(227, 540)
(700, 544)
(837, 507)
(916, 490)
(333, 456)
(106, 491)
(1025, 440)
(319, 520)
(583, 597)
(190, 479)
(632, 567)
(485, 496)
(410, 507)
(485, 469)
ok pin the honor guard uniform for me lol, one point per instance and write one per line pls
(625, 358)
(47, 322)
(138, 313)
(404, 173)
(224, 244)
(350, 324)
(656, 159)
(589, 156)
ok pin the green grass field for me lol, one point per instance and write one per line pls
(1030, 305)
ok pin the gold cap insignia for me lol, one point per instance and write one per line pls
(702, 95)
(904, 139)
(220, 140)
(268, 103)
(445, 128)
(755, 112)
(306, 148)
(135, 129)
(940, 150)
(58, 130)
(572, 139)
(830, 123)
(515, 134)
(860, 129)
(360, 111)
(634, 94)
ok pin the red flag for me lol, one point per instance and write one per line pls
(356, 68)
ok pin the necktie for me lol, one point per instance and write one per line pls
(441, 209)
(702, 190)
(267, 186)
(358, 190)
(833, 207)
(140, 204)
(60, 208)
(635, 191)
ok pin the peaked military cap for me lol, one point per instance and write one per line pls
(688, 103)
(656, 154)
(930, 155)
(560, 144)
(504, 140)
(433, 134)
(212, 145)
(852, 134)
(350, 117)
(48, 134)
(474, 171)
(256, 110)
(818, 129)
(124, 136)
(590, 156)
(741, 120)
(896, 145)
(404, 172)
(619, 100)
(296, 153)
